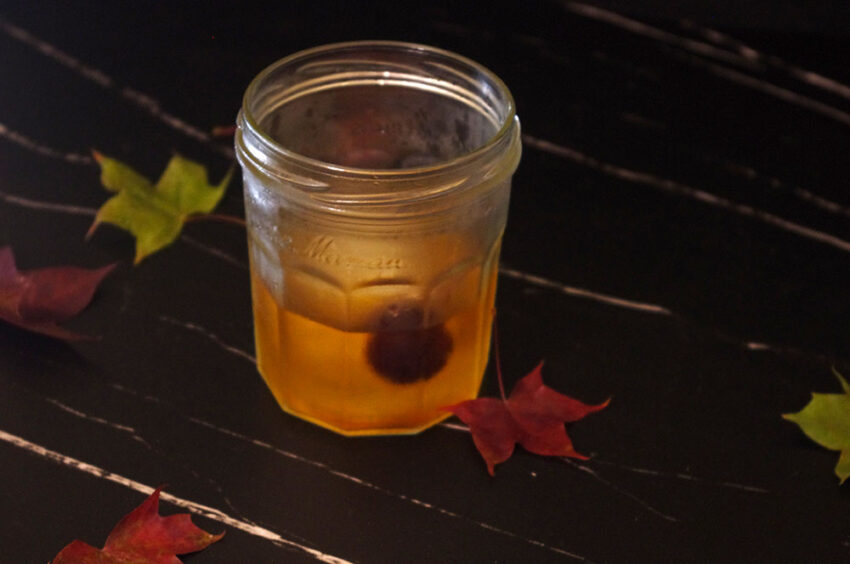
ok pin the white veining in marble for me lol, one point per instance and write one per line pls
(646, 30)
(773, 90)
(30, 144)
(46, 206)
(137, 98)
(193, 507)
(645, 471)
(211, 336)
(210, 250)
(583, 293)
(93, 419)
(351, 478)
(593, 473)
(667, 185)
(741, 57)
(804, 75)
(803, 194)
(382, 490)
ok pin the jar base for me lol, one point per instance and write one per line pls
(366, 432)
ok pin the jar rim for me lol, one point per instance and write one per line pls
(508, 121)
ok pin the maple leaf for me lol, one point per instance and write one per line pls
(37, 300)
(142, 536)
(534, 416)
(826, 420)
(155, 214)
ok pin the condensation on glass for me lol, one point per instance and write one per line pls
(377, 178)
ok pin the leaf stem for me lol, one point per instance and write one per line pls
(498, 360)
(221, 217)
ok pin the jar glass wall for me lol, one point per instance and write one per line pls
(377, 178)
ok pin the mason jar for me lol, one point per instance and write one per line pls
(376, 179)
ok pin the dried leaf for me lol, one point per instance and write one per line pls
(37, 300)
(826, 420)
(533, 416)
(142, 536)
(224, 130)
(155, 214)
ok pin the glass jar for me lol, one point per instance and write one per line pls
(376, 178)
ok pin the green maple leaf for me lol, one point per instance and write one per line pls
(155, 214)
(826, 420)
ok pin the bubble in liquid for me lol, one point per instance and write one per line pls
(403, 351)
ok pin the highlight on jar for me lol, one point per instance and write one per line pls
(377, 177)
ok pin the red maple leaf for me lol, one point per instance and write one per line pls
(534, 416)
(38, 300)
(142, 536)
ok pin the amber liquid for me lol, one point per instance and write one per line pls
(328, 376)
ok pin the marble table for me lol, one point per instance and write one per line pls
(679, 241)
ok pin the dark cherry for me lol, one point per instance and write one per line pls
(403, 351)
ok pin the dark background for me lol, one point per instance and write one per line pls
(691, 461)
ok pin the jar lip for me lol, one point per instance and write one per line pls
(338, 170)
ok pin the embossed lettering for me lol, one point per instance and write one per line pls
(323, 249)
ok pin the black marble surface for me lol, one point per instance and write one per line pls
(679, 240)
